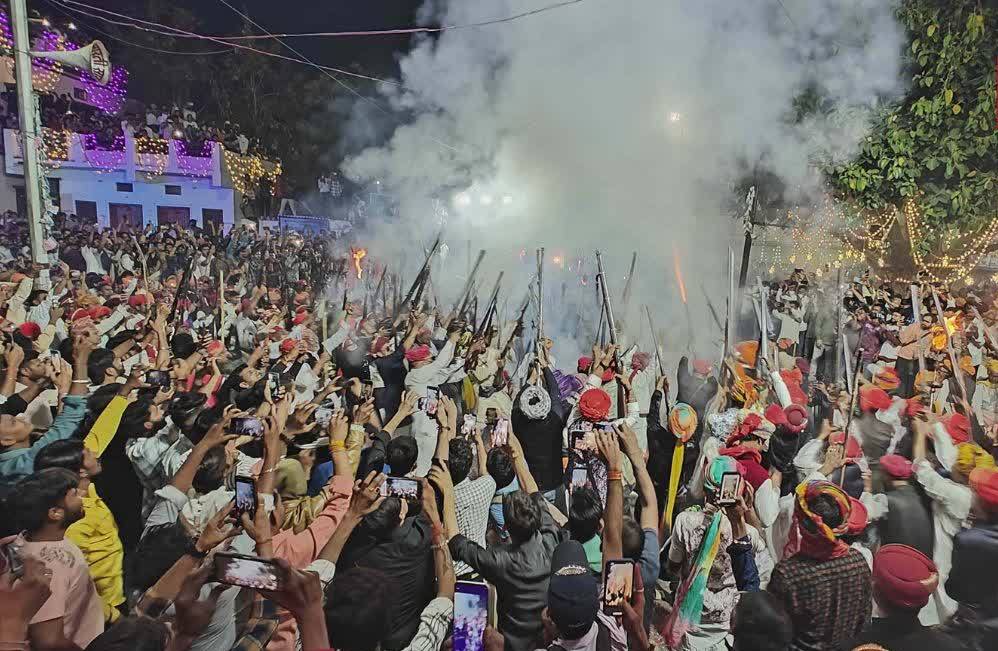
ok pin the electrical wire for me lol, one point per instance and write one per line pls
(149, 26)
(324, 71)
(402, 31)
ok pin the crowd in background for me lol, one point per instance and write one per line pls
(829, 483)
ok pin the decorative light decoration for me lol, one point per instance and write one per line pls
(247, 171)
(152, 153)
(194, 164)
(45, 73)
(462, 200)
(103, 160)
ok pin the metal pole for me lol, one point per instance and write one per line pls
(30, 134)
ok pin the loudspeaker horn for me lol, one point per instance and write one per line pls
(92, 58)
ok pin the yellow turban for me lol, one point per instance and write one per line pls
(970, 456)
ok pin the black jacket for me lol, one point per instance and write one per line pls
(541, 439)
(520, 574)
(407, 558)
(905, 634)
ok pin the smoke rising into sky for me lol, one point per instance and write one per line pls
(622, 125)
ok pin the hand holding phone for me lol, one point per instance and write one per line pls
(472, 607)
(246, 496)
(157, 378)
(730, 489)
(248, 571)
(618, 585)
(247, 426)
(403, 488)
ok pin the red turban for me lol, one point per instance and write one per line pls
(80, 314)
(958, 427)
(288, 345)
(136, 300)
(859, 517)
(803, 365)
(299, 318)
(418, 353)
(776, 415)
(701, 366)
(984, 483)
(914, 408)
(904, 577)
(583, 364)
(796, 417)
(872, 398)
(594, 404)
(853, 450)
(30, 329)
(99, 312)
(896, 466)
(792, 379)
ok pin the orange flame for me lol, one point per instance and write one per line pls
(358, 255)
(679, 274)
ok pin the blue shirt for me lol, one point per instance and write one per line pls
(18, 463)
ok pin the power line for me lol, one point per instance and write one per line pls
(400, 31)
(321, 69)
(158, 28)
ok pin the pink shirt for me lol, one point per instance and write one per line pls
(74, 597)
(302, 548)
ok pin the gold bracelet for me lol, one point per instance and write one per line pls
(337, 446)
(614, 475)
(264, 472)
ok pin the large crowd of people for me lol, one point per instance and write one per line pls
(199, 449)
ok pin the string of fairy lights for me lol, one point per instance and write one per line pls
(247, 171)
(823, 237)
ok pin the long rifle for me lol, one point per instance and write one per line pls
(917, 316)
(628, 284)
(540, 303)
(504, 353)
(490, 307)
(612, 329)
(469, 284)
(654, 338)
(181, 288)
(417, 285)
(377, 289)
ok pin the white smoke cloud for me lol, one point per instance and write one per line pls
(621, 125)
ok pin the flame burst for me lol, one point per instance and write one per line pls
(358, 255)
(679, 274)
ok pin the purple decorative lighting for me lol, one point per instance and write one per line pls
(103, 159)
(199, 165)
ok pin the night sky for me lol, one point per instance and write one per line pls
(376, 54)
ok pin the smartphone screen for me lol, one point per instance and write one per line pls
(273, 381)
(471, 614)
(246, 495)
(430, 402)
(468, 425)
(247, 571)
(618, 584)
(579, 478)
(247, 426)
(402, 487)
(731, 488)
(500, 433)
(322, 416)
(158, 378)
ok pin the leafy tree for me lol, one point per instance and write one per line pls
(939, 145)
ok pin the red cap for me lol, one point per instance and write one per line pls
(583, 364)
(872, 398)
(299, 318)
(904, 577)
(958, 427)
(418, 353)
(896, 466)
(136, 300)
(594, 404)
(99, 312)
(858, 518)
(984, 483)
(81, 313)
(288, 345)
(796, 417)
(853, 449)
(30, 329)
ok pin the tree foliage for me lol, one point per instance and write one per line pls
(939, 145)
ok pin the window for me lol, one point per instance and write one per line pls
(173, 215)
(212, 216)
(123, 187)
(173, 189)
(124, 215)
(54, 187)
(86, 211)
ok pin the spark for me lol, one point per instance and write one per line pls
(358, 255)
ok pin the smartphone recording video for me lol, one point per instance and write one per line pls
(158, 378)
(618, 585)
(247, 426)
(248, 571)
(500, 433)
(430, 403)
(403, 488)
(471, 615)
(731, 488)
(245, 496)
(579, 479)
